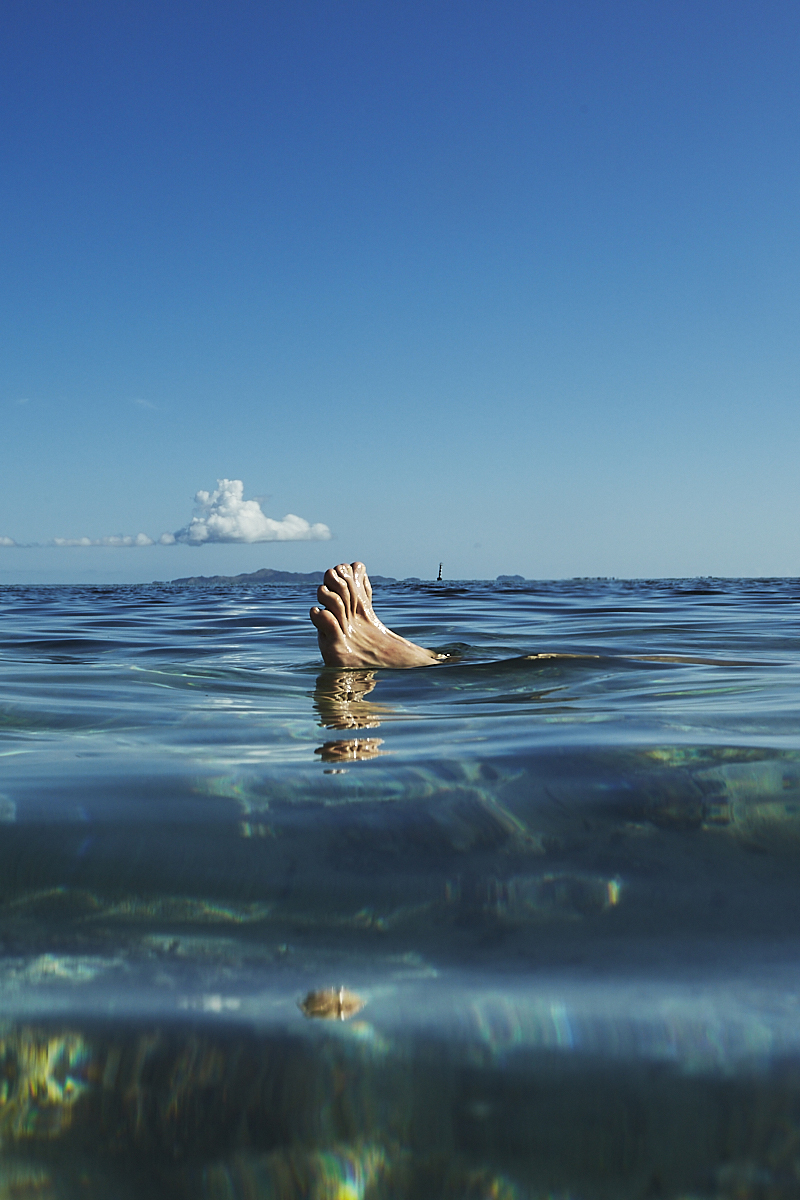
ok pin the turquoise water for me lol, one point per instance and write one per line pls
(564, 890)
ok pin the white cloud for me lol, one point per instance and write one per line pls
(219, 516)
(145, 404)
(224, 516)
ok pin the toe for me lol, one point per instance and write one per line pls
(361, 576)
(363, 587)
(336, 584)
(324, 620)
(331, 640)
(335, 603)
(346, 571)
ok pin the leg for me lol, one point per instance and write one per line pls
(350, 635)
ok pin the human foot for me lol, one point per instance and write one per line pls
(350, 635)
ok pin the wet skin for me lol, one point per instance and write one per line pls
(349, 633)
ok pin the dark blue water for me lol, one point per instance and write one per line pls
(564, 890)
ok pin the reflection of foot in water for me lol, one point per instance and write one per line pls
(350, 635)
(339, 700)
(350, 750)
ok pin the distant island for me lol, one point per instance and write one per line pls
(265, 575)
(268, 575)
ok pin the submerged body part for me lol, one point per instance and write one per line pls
(349, 633)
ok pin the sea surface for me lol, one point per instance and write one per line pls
(508, 927)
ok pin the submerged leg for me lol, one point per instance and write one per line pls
(350, 635)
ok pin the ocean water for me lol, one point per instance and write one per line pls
(507, 927)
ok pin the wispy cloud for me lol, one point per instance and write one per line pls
(219, 516)
(114, 539)
(145, 404)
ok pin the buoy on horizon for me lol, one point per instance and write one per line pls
(439, 576)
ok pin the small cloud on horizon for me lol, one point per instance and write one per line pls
(225, 516)
(219, 516)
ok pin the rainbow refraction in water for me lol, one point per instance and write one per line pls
(509, 926)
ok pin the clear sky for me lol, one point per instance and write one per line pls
(511, 285)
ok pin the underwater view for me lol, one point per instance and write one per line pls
(506, 927)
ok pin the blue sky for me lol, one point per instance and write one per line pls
(509, 285)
